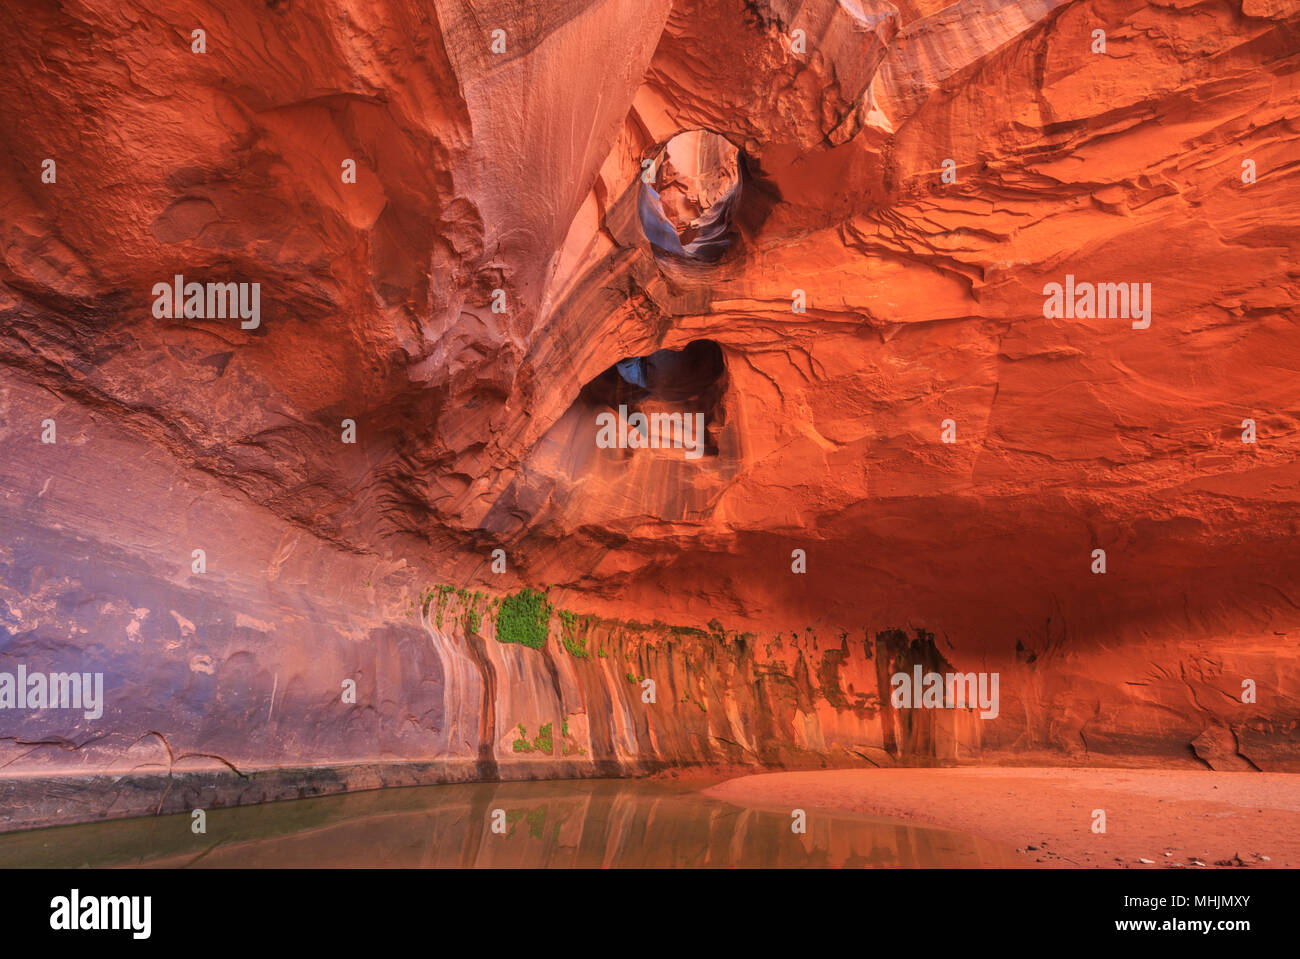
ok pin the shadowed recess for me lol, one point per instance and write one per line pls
(688, 381)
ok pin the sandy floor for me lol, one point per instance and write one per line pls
(1174, 818)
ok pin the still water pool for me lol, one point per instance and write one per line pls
(556, 824)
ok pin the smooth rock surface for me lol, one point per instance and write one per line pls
(520, 172)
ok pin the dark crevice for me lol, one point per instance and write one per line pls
(687, 384)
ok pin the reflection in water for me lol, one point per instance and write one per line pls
(583, 823)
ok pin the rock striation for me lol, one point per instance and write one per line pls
(442, 207)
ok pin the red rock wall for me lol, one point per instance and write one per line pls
(519, 172)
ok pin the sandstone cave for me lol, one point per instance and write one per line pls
(949, 551)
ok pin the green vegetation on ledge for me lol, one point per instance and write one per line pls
(543, 743)
(524, 618)
(573, 632)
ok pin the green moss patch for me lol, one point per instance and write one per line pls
(524, 619)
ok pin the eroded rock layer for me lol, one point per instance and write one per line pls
(898, 400)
